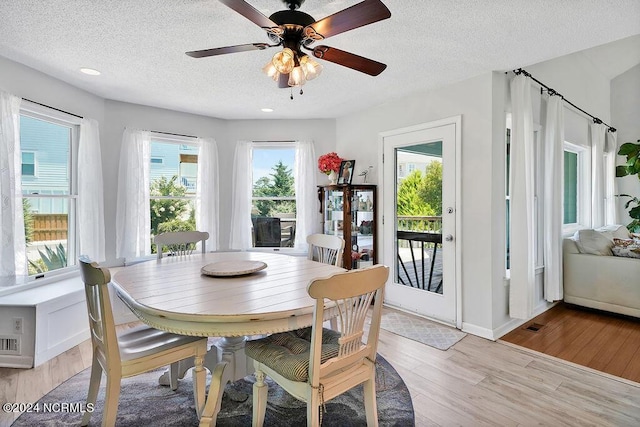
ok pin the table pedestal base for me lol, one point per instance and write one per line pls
(227, 363)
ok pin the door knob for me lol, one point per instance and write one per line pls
(448, 238)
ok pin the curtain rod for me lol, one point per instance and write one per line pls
(554, 92)
(53, 108)
(173, 134)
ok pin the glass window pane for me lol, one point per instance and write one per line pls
(274, 219)
(167, 161)
(46, 223)
(570, 187)
(52, 143)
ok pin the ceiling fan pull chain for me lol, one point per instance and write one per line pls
(291, 93)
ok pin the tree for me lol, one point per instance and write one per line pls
(280, 183)
(431, 187)
(170, 214)
(410, 200)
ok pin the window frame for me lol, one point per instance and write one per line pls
(261, 145)
(583, 188)
(59, 118)
(180, 142)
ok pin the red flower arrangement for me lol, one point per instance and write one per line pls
(329, 162)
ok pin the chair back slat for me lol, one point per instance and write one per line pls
(180, 243)
(103, 333)
(352, 292)
(325, 248)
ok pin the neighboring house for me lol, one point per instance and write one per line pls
(175, 160)
(45, 159)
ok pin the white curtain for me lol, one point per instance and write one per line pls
(207, 195)
(597, 133)
(241, 205)
(90, 192)
(553, 198)
(306, 194)
(12, 242)
(133, 227)
(611, 183)
(522, 200)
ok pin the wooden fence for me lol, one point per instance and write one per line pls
(49, 227)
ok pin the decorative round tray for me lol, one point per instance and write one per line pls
(232, 268)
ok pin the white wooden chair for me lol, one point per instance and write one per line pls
(326, 249)
(180, 242)
(135, 351)
(315, 364)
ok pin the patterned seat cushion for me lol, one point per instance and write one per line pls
(287, 353)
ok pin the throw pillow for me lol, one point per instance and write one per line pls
(629, 248)
(594, 242)
(615, 230)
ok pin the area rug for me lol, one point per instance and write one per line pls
(144, 403)
(422, 330)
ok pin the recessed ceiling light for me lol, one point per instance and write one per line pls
(267, 110)
(90, 71)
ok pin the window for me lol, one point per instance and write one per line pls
(172, 179)
(49, 199)
(273, 210)
(577, 188)
(28, 163)
(570, 187)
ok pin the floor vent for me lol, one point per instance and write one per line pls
(535, 327)
(9, 345)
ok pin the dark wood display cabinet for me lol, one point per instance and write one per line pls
(349, 211)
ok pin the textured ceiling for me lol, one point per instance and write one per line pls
(139, 46)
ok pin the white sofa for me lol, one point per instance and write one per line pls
(594, 278)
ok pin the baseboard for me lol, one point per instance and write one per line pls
(477, 330)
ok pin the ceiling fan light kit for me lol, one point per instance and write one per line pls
(295, 30)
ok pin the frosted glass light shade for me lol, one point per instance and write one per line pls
(296, 77)
(284, 61)
(270, 70)
(311, 68)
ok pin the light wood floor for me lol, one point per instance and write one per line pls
(475, 383)
(605, 342)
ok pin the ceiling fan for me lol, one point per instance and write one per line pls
(295, 30)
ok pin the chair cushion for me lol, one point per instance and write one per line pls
(143, 341)
(288, 353)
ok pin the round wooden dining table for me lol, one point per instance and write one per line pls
(229, 300)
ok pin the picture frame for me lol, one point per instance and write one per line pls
(345, 176)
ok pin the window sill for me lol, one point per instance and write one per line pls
(20, 284)
(37, 291)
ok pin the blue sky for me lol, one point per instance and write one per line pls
(265, 158)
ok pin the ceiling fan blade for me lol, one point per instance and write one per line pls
(229, 49)
(350, 60)
(249, 12)
(364, 13)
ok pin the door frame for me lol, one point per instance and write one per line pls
(384, 198)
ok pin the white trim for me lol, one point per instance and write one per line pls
(457, 122)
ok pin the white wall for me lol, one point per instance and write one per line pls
(28, 83)
(357, 138)
(482, 102)
(625, 117)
